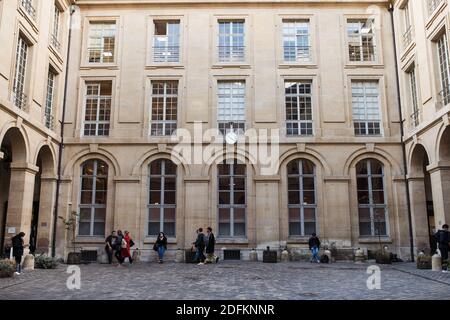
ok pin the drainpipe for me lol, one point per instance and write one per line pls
(405, 164)
(61, 144)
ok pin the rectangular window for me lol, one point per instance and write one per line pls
(231, 41)
(20, 98)
(361, 40)
(444, 70)
(166, 41)
(407, 36)
(48, 114)
(28, 5)
(366, 108)
(97, 111)
(232, 188)
(102, 37)
(298, 102)
(296, 40)
(55, 32)
(433, 4)
(164, 108)
(414, 100)
(231, 106)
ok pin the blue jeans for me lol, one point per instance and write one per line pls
(161, 251)
(199, 256)
(315, 253)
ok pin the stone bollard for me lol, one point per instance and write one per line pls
(359, 256)
(179, 256)
(28, 262)
(285, 256)
(253, 255)
(136, 256)
(436, 262)
(328, 254)
(104, 258)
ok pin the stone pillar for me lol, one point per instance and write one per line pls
(419, 212)
(267, 220)
(20, 200)
(126, 208)
(46, 212)
(197, 209)
(335, 224)
(63, 238)
(440, 181)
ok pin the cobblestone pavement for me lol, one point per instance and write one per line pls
(230, 280)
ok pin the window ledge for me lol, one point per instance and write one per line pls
(151, 240)
(90, 240)
(375, 239)
(99, 66)
(222, 65)
(299, 239)
(374, 65)
(220, 241)
(175, 65)
(287, 65)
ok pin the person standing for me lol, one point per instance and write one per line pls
(17, 247)
(314, 246)
(161, 245)
(118, 247)
(199, 247)
(125, 251)
(210, 244)
(443, 241)
(109, 245)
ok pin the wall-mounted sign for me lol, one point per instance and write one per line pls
(11, 230)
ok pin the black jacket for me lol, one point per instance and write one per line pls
(17, 244)
(200, 241)
(162, 242)
(314, 241)
(443, 238)
(211, 243)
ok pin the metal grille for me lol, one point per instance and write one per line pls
(55, 35)
(415, 105)
(408, 37)
(232, 254)
(20, 98)
(444, 70)
(298, 103)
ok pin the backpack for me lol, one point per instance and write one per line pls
(324, 259)
(131, 242)
(124, 244)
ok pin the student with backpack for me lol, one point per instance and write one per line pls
(199, 247)
(443, 241)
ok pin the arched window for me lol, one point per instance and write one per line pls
(302, 203)
(162, 197)
(94, 189)
(372, 206)
(232, 180)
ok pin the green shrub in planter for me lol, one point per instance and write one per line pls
(45, 262)
(423, 261)
(7, 268)
(383, 257)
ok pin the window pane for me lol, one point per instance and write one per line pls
(378, 197)
(99, 228)
(239, 197)
(295, 229)
(155, 197)
(309, 197)
(224, 215)
(239, 183)
(169, 214)
(293, 184)
(85, 214)
(86, 197)
(310, 227)
(239, 215)
(154, 214)
(309, 214)
(169, 197)
(294, 197)
(364, 214)
(155, 184)
(239, 229)
(293, 167)
(362, 184)
(153, 228)
(308, 167)
(363, 197)
(224, 198)
(224, 184)
(294, 214)
(376, 167)
(364, 228)
(100, 197)
(102, 168)
(224, 229)
(155, 167)
(84, 228)
(169, 228)
(308, 183)
(100, 214)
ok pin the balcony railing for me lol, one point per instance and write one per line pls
(297, 53)
(20, 99)
(231, 53)
(28, 6)
(443, 98)
(49, 121)
(433, 5)
(101, 54)
(54, 42)
(408, 37)
(415, 119)
(364, 53)
(166, 54)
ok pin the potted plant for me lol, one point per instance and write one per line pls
(7, 268)
(70, 225)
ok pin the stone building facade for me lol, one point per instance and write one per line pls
(318, 77)
(33, 41)
(422, 29)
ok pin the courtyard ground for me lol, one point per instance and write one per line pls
(229, 280)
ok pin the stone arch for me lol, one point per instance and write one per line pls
(14, 141)
(309, 154)
(377, 154)
(443, 144)
(154, 154)
(241, 155)
(86, 154)
(417, 158)
(48, 159)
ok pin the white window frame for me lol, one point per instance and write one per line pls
(301, 53)
(172, 124)
(50, 97)
(231, 108)
(97, 97)
(306, 125)
(103, 54)
(167, 53)
(444, 68)
(369, 121)
(20, 74)
(231, 53)
(363, 50)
